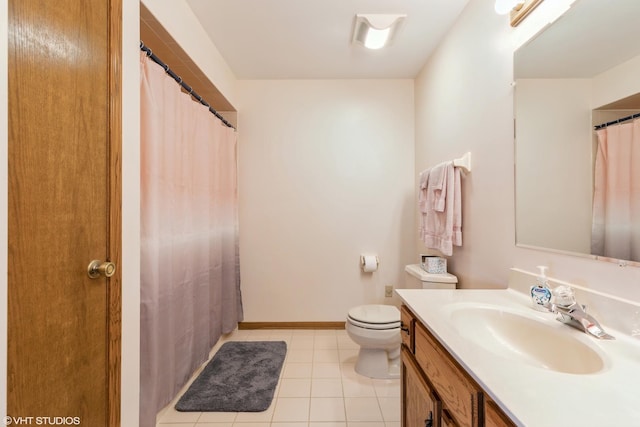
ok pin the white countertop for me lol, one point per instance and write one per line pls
(534, 396)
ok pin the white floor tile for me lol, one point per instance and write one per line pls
(326, 387)
(357, 386)
(326, 370)
(304, 342)
(256, 417)
(246, 425)
(327, 409)
(348, 355)
(214, 425)
(290, 409)
(325, 341)
(217, 417)
(300, 424)
(299, 356)
(346, 343)
(390, 407)
(297, 370)
(173, 416)
(325, 332)
(295, 387)
(362, 409)
(387, 388)
(326, 355)
(329, 424)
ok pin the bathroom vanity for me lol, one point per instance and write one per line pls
(436, 390)
(486, 358)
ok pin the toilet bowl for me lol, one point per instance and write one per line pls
(376, 329)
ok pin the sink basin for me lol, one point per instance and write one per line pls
(529, 339)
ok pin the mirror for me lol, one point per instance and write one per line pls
(580, 71)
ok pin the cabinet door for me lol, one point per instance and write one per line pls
(494, 417)
(420, 406)
(447, 419)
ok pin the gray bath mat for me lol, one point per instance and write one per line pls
(241, 377)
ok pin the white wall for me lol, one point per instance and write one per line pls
(464, 102)
(326, 174)
(616, 83)
(130, 373)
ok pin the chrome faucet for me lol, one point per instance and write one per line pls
(574, 314)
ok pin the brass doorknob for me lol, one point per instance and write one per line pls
(98, 268)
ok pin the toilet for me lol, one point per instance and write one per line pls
(376, 327)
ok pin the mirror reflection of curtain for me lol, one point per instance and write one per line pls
(616, 199)
(190, 280)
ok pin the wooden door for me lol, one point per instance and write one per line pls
(420, 406)
(64, 210)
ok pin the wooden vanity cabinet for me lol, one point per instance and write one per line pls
(434, 383)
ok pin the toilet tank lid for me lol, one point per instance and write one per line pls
(416, 271)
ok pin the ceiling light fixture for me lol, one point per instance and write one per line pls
(505, 6)
(376, 31)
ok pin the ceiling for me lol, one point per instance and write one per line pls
(311, 39)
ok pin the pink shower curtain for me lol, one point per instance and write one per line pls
(616, 199)
(190, 280)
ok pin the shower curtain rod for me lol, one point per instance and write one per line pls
(613, 122)
(186, 87)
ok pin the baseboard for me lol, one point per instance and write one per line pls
(291, 325)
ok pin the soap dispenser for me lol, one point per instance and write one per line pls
(540, 292)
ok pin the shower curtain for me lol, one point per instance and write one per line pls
(616, 199)
(190, 280)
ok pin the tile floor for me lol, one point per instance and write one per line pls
(318, 387)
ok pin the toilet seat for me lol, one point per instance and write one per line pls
(375, 316)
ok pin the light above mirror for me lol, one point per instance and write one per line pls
(502, 7)
(578, 72)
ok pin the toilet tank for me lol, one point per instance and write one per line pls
(417, 278)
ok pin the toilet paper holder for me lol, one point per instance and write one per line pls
(369, 263)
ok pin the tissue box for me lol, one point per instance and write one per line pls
(433, 264)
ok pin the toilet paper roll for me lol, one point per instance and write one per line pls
(369, 263)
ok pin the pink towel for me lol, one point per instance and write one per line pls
(433, 188)
(440, 204)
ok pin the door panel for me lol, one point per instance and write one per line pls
(63, 327)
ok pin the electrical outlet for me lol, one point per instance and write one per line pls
(388, 291)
